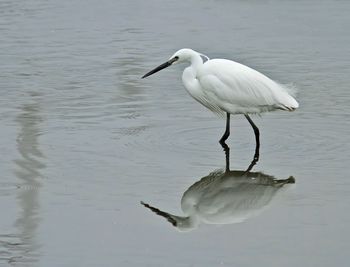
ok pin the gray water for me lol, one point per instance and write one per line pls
(84, 139)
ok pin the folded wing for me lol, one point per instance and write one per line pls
(237, 88)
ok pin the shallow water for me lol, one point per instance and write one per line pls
(84, 139)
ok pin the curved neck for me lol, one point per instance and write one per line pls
(191, 71)
(196, 60)
(189, 76)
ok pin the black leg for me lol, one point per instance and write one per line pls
(223, 144)
(227, 131)
(227, 156)
(257, 145)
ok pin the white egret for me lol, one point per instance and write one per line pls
(228, 87)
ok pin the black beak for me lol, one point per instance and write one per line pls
(163, 66)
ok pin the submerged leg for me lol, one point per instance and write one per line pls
(227, 131)
(257, 145)
(227, 156)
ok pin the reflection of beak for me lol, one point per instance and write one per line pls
(163, 66)
(170, 218)
(183, 224)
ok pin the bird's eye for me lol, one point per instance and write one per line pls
(176, 57)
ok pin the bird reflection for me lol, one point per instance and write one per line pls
(224, 197)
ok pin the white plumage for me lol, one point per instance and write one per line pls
(225, 86)
(228, 87)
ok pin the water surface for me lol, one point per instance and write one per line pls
(84, 139)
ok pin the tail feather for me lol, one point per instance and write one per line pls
(284, 107)
(287, 100)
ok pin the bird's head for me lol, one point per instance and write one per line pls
(183, 55)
